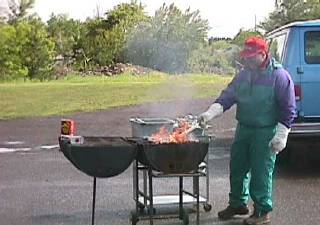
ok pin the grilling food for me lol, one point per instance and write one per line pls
(181, 134)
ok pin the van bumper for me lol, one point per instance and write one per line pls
(305, 130)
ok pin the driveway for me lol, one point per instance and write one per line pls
(39, 186)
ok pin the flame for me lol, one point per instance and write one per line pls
(180, 134)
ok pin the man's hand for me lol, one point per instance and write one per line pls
(279, 141)
(215, 110)
(201, 122)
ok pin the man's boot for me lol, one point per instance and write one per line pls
(230, 212)
(258, 219)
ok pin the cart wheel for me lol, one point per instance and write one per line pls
(134, 218)
(153, 212)
(207, 207)
(185, 218)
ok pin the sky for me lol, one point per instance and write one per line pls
(225, 17)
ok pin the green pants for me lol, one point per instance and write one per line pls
(251, 168)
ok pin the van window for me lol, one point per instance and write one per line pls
(276, 46)
(312, 47)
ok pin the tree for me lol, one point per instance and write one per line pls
(217, 57)
(200, 60)
(25, 50)
(65, 33)
(19, 9)
(290, 11)
(11, 65)
(166, 41)
(125, 15)
(103, 39)
(122, 19)
(37, 52)
(242, 35)
(100, 46)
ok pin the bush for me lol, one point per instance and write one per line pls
(218, 58)
(167, 40)
(11, 65)
(37, 53)
(25, 50)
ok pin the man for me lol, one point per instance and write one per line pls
(264, 94)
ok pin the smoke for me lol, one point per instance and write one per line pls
(182, 90)
(156, 52)
(167, 56)
(165, 43)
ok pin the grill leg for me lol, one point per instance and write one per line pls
(94, 199)
(145, 188)
(197, 195)
(181, 198)
(207, 178)
(150, 196)
(136, 184)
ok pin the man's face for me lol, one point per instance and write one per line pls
(256, 61)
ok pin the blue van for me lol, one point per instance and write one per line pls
(297, 47)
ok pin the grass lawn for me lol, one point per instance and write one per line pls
(77, 94)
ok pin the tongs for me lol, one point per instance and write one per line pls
(192, 128)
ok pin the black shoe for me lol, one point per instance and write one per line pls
(230, 211)
(255, 219)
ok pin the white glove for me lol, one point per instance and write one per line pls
(215, 110)
(279, 141)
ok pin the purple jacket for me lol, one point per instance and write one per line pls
(280, 81)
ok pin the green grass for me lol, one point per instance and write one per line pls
(21, 99)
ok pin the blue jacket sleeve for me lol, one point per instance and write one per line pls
(228, 96)
(285, 97)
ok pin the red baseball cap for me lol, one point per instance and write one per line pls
(253, 46)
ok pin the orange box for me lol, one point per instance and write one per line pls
(68, 127)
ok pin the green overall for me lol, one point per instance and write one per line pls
(252, 161)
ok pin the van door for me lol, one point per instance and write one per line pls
(283, 47)
(310, 71)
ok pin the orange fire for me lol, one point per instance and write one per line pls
(180, 134)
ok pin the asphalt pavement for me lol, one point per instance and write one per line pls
(39, 186)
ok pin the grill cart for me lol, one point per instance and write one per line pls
(167, 160)
(98, 157)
